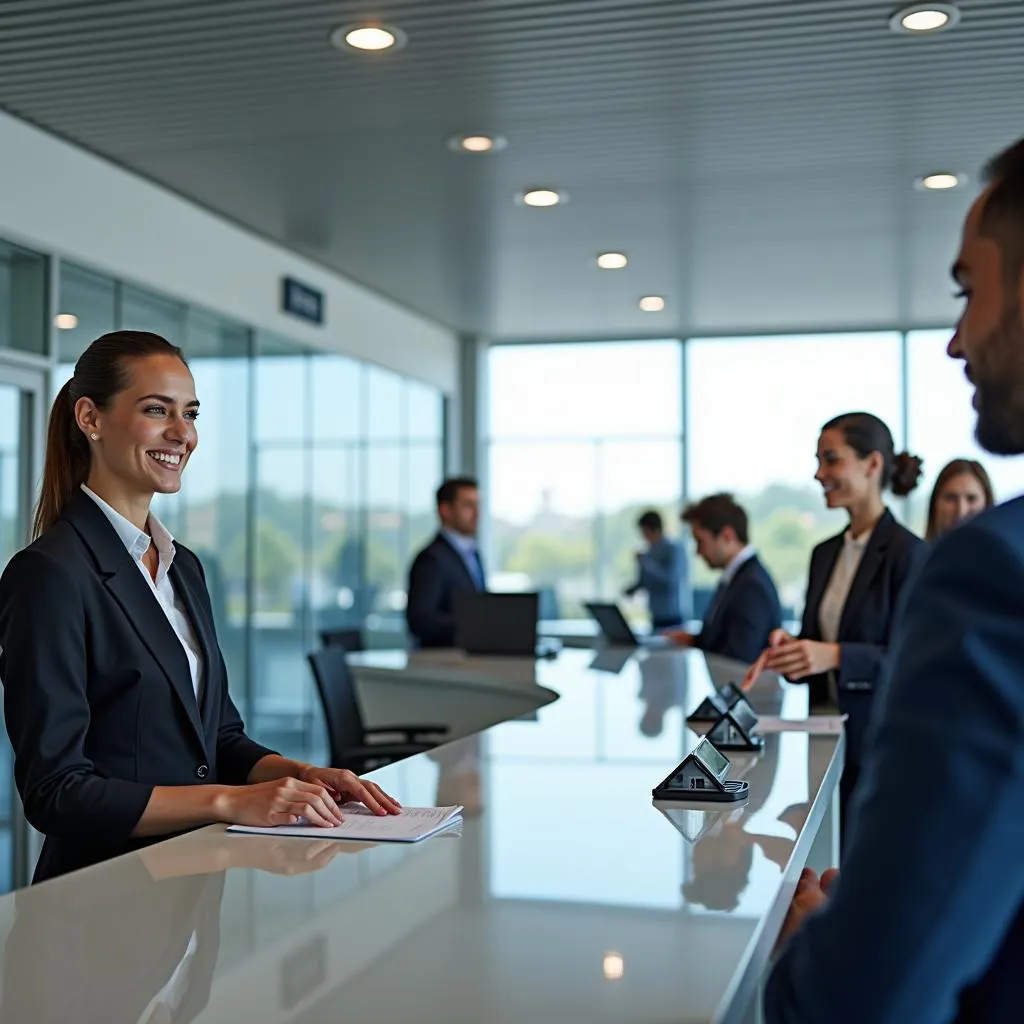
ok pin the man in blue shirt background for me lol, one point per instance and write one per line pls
(663, 573)
(926, 921)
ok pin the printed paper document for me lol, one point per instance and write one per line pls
(412, 825)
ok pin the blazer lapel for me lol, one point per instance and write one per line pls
(187, 585)
(874, 553)
(124, 581)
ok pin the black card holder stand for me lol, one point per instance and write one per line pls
(700, 776)
(711, 709)
(734, 730)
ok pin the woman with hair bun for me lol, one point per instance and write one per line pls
(855, 579)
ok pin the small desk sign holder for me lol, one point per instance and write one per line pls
(701, 775)
(711, 709)
(735, 729)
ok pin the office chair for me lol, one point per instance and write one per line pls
(349, 639)
(352, 744)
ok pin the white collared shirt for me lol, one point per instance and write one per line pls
(137, 542)
(738, 560)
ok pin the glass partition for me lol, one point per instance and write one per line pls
(582, 437)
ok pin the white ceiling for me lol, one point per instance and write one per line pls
(755, 158)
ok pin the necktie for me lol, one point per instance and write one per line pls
(476, 568)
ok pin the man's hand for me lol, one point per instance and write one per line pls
(797, 659)
(811, 895)
(679, 636)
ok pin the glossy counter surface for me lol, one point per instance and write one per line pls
(567, 896)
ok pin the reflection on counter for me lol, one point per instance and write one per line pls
(565, 875)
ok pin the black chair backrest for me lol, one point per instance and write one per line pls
(338, 698)
(350, 639)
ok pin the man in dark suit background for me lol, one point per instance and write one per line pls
(926, 922)
(450, 563)
(745, 607)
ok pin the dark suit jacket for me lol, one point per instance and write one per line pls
(68, 943)
(744, 617)
(438, 573)
(865, 627)
(926, 923)
(98, 697)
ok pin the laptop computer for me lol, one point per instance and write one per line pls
(503, 624)
(616, 630)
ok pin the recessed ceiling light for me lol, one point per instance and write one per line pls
(612, 260)
(542, 197)
(477, 143)
(368, 37)
(920, 19)
(613, 966)
(940, 181)
(652, 303)
(65, 321)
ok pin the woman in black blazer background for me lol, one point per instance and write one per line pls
(115, 692)
(855, 579)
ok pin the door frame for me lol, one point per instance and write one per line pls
(30, 376)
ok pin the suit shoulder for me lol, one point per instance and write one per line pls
(762, 576)
(429, 552)
(1000, 528)
(905, 539)
(1005, 521)
(44, 567)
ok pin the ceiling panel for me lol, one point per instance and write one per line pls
(755, 158)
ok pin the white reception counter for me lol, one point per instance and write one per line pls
(568, 897)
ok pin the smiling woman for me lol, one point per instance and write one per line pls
(116, 694)
(855, 579)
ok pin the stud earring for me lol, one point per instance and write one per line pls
(95, 437)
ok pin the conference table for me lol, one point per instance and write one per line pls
(565, 895)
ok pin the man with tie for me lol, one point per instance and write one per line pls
(448, 564)
(745, 607)
(662, 573)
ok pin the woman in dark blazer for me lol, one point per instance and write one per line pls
(855, 580)
(115, 692)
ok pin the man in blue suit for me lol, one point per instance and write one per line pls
(662, 572)
(745, 607)
(448, 564)
(926, 922)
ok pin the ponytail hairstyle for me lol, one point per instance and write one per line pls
(866, 433)
(101, 373)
